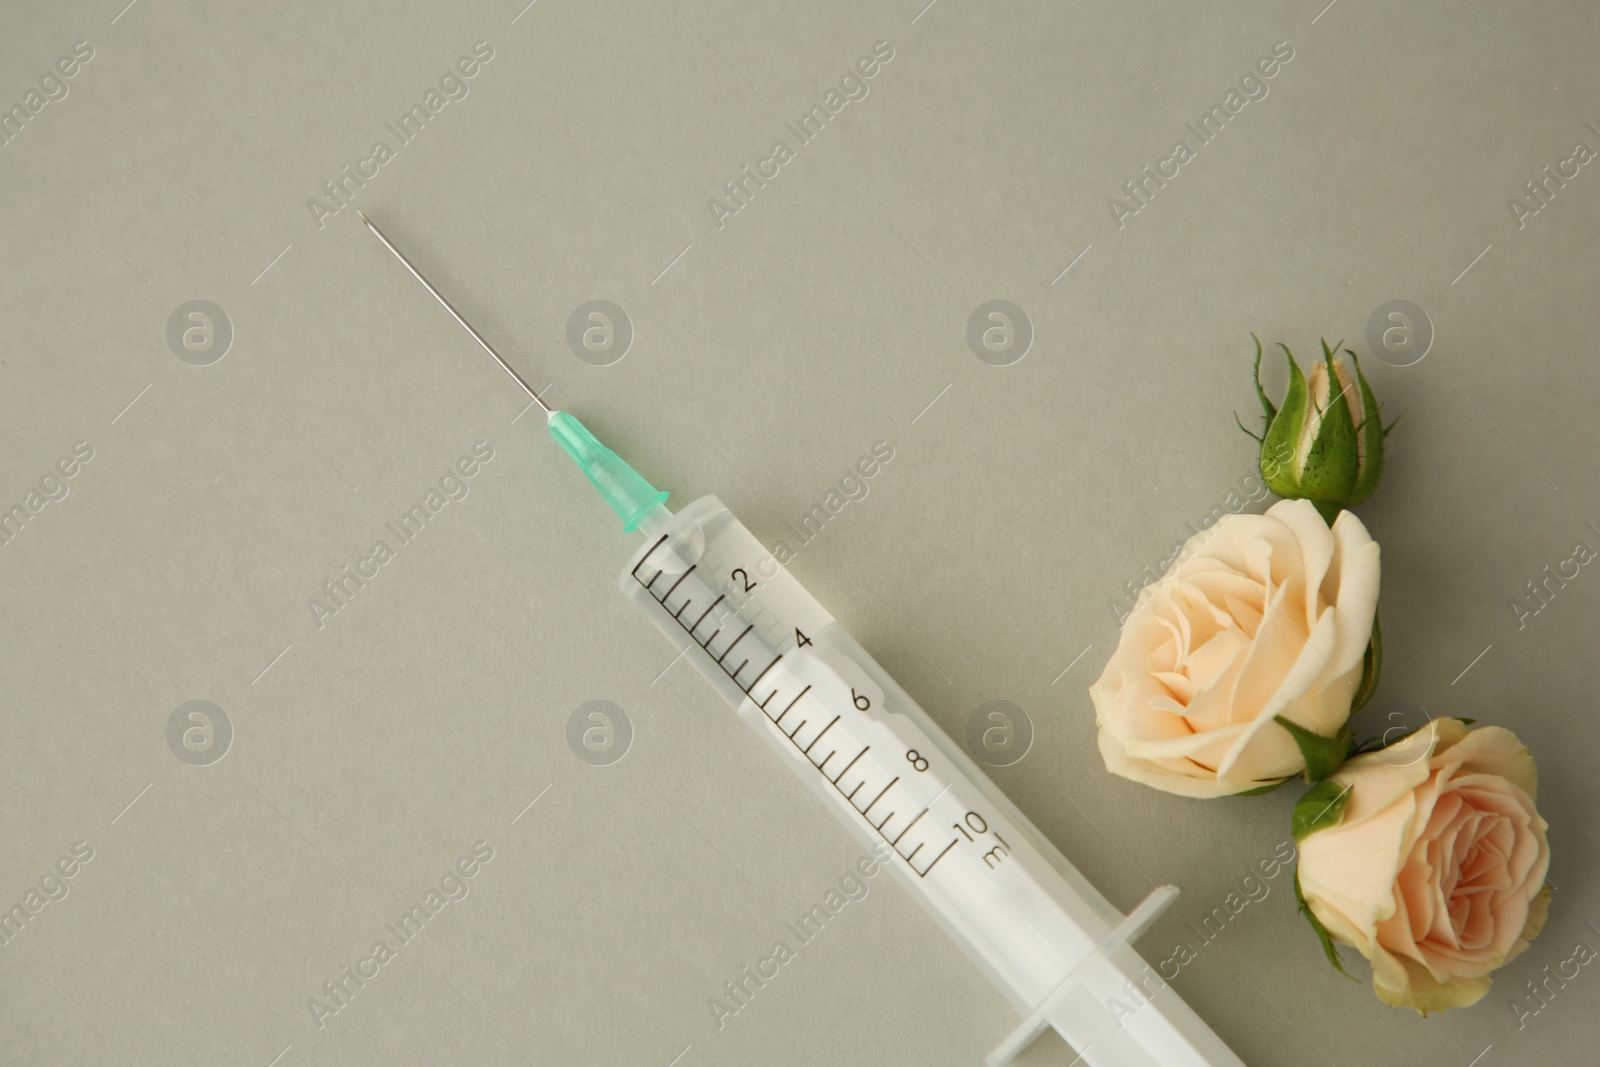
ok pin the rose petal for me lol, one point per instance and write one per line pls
(1494, 750)
(1354, 869)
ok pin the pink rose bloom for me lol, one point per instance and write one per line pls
(1435, 873)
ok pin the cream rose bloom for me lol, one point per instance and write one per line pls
(1260, 616)
(1436, 871)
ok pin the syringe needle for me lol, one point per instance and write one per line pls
(639, 504)
(476, 336)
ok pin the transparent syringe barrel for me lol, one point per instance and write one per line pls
(875, 758)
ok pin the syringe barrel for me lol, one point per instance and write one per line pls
(877, 760)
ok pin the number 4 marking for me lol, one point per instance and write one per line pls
(800, 639)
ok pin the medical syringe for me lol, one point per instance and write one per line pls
(1051, 942)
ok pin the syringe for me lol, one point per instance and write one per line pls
(1051, 942)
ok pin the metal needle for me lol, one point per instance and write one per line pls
(476, 336)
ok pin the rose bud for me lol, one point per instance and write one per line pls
(1322, 445)
(1429, 858)
(1238, 667)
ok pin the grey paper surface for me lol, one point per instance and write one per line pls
(366, 752)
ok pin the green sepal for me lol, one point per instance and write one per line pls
(1323, 755)
(1371, 668)
(1268, 406)
(1321, 807)
(1260, 789)
(1378, 744)
(1282, 439)
(1331, 466)
(1372, 432)
(1375, 744)
(1329, 947)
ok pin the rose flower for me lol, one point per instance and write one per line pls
(1259, 617)
(1434, 864)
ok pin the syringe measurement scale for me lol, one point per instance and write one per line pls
(793, 705)
(1050, 941)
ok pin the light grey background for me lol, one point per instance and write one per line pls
(767, 357)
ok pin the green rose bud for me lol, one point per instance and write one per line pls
(1325, 442)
